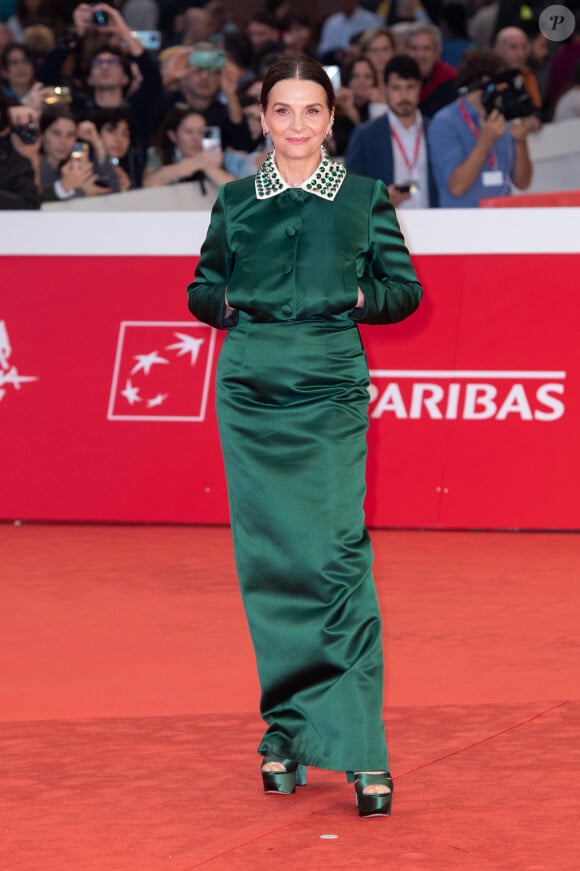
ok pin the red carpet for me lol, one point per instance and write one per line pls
(128, 698)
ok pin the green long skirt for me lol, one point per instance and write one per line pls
(292, 405)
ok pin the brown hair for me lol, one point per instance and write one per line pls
(171, 123)
(476, 64)
(368, 36)
(296, 67)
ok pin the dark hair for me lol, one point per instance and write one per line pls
(238, 48)
(54, 113)
(403, 66)
(348, 69)
(5, 119)
(15, 46)
(114, 116)
(476, 64)
(297, 67)
(112, 49)
(170, 123)
(262, 16)
(454, 20)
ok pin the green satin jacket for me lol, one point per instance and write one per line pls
(297, 256)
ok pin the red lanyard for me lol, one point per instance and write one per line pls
(419, 136)
(469, 121)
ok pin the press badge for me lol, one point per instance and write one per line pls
(492, 178)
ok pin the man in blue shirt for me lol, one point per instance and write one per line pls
(474, 155)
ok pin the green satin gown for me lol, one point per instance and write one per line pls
(292, 406)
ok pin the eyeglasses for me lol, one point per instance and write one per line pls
(19, 62)
(106, 61)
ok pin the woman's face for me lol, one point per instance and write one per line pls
(187, 138)
(362, 81)
(19, 71)
(117, 138)
(298, 118)
(58, 139)
(380, 52)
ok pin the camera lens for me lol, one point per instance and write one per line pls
(100, 18)
(27, 133)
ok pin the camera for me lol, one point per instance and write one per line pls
(505, 92)
(333, 73)
(100, 18)
(149, 39)
(210, 59)
(28, 133)
(79, 150)
(211, 139)
(58, 94)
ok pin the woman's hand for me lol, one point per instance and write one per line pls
(88, 132)
(76, 173)
(36, 96)
(124, 180)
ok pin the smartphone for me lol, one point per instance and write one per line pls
(333, 73)
(407, 187)
(100, 18)
(79, 149)
(211, 139)
(58, 94)
(149, 39)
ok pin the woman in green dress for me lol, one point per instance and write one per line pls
(293, 258)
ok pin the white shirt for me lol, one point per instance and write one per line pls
(338, 28)
(419, 173)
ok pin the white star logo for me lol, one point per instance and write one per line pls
(146, 361)
(131, 393)
(157, 400)
(186, 345)
(12, 377)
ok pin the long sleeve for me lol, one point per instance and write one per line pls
(17, 186)
(207, 292)
(355, 158)
(389, 282)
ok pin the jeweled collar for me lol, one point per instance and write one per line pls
(324, 182)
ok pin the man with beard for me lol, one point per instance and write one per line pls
(393, 147)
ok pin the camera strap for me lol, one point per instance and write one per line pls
(491, 158)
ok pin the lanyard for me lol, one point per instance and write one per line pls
(491, 159)
(418, 137)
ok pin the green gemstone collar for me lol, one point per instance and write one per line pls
(324, 182)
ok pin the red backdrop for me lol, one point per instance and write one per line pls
(106, 395)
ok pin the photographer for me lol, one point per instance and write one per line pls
(203, 72)
(18, 189)
(73, 160)
(113, 66)
(476, 151)
(180, 156)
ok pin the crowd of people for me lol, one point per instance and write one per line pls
(97, 100)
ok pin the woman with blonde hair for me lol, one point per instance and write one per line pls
(378, 45)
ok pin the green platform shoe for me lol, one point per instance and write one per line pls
(283, 782)
(372, 805)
